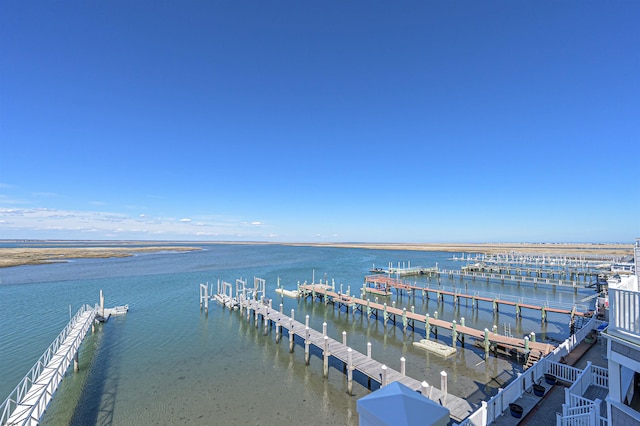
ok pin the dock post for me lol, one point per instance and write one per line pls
(384, 314)
(344, 338)
(526, 344)
(427, 327)
(281, 308)
(369, 350)
(494, 329)
(443, 386)
(306, 345)
(348, 290)
(325, 360)
(206, 299)
(383, 376)
(518, 314)
(454, 334)
(350, 371)
(532, 337)
(404, 319)
(265, 319)
(368, 308)
(495, 306)
(435, 315)
(324, 329)
(76, 361)
(424, 386)
(291, 335)
(306, 321)
(278, 328)
(543, 314)
(292, 314)
(486, 342)
(403, 362)
(340, 288)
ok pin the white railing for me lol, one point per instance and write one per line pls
(492, 409)
(600, 376)
(582, 419)
(567, 346)
(624, 313)
(564, 372)
(17, 395)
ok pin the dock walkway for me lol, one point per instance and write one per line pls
(28, 401)
(374, 370)
(431, 324)
(517, 279)
(388, 283)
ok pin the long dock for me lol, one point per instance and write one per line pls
(352, 360)
(517, 279)
(28, 401)
(387, 283)
(409, 318)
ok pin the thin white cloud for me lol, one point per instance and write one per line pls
(54, 223)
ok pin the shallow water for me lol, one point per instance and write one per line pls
(166, 362)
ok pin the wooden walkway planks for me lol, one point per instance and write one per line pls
(512, 342)
(459, 408)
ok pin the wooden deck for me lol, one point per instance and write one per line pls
(458, 407)
(410, 318)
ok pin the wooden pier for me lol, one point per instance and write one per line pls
(388, 283)
(352, 360)
(409, 319)
(517, 279)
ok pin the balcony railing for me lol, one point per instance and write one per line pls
(624, 314)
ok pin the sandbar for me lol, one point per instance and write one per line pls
(40, 255)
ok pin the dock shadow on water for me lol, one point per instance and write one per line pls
(88, 397)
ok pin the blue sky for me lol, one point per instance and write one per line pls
(426, 121)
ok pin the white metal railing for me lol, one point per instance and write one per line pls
(16, 396)
(624, 313)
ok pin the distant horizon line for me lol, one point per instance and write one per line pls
(315, 242)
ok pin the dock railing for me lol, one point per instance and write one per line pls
(20, 391)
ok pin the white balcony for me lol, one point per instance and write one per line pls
(624, 314)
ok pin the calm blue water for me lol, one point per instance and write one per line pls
(166, 362)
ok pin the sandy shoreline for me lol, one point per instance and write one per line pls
(542, 248)
(36, 255)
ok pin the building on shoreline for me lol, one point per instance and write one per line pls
(623, 348)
